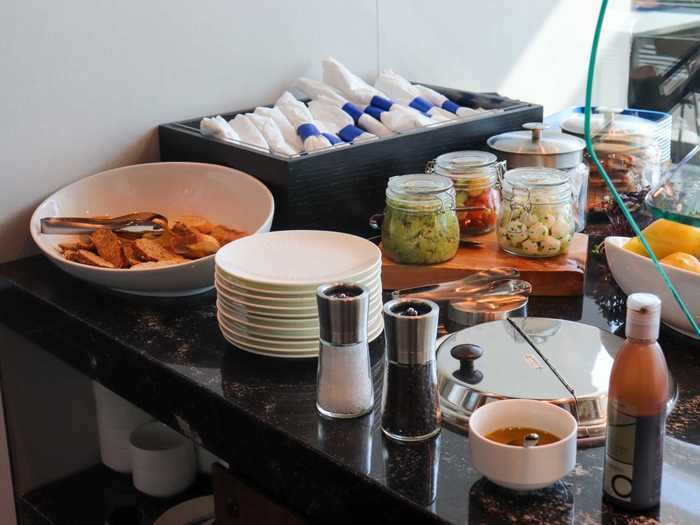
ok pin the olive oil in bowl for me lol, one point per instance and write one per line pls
(522, 436)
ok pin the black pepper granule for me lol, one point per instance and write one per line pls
(411, 402)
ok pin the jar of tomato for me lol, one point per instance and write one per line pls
(475, 175)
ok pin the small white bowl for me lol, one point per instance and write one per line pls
(220, 194)
(520, 468)
(116, 420)
(163, 461)
(636, 273)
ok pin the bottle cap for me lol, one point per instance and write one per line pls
(643, 316)
(342, 313)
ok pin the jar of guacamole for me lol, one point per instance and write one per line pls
(537, 215)
(420, 224)
(475, 175)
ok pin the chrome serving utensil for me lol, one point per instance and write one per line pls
(66, 225)
(472, 284)
(498, 300)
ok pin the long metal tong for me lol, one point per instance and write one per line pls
(65, 225)
(455, 290)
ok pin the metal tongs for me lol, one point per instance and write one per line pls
(496, 295)
(454, 290)
(495, 285)
(65, 225)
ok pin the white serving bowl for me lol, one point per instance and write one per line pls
(636, 273)
(220, 194)
(520, 468)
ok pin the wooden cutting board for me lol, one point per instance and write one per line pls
(561, 275)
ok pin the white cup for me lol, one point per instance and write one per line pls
(116, 420)
(163, 461)
(517, 467)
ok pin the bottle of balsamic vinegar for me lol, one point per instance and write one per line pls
(637, 400)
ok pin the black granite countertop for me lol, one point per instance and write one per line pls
(259, 414)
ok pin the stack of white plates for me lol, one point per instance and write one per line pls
(266, 286)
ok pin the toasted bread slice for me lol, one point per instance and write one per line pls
(129, 253)
(89, 258)
(108, 247)
(190, 242)
(194, 221)
(84, 243)
(150, 250)
(225, 235)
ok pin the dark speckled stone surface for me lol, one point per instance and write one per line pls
(259, 413)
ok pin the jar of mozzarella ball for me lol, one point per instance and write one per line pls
(536, 217)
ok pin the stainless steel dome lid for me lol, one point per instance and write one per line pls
(497, 362)
(609, 122)
(538, 146)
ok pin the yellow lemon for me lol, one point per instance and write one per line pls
(684, 261)
(667, 237)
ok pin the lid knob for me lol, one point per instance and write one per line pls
(608, 114)
(467, 354)
(536, 128)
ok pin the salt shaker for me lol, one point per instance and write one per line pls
(411, 407)
(344, 380)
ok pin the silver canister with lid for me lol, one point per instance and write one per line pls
(538, 146)
(344, 378)
(410, 407)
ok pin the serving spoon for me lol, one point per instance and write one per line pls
(65, 225)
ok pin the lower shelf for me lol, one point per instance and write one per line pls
(89, 498)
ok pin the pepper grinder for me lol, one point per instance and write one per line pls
(344, 379)
(411, 407)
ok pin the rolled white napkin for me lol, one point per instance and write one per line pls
(401, 90)
(338, 122)
(272, 134)
(285, 127)
(217, 127)
(357, 90)
(317, 90)
(350, 85)
(438, 99)
(248, 133)
(301, 118)
(328, 131)
(398, 118)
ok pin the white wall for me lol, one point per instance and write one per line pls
(85, 82)
(534, 50)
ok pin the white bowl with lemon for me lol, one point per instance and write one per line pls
(677, 246)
